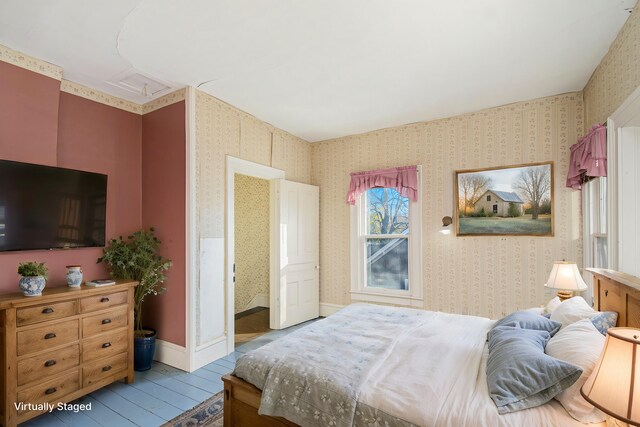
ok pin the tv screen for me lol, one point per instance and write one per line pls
(43, 207)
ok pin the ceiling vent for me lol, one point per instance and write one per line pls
(141, 85)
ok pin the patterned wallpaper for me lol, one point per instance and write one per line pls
(618, 74)
(487, 276)
(251, 239)
(224, 130)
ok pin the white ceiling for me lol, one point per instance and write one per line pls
(326, 68)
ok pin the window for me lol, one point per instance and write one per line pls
(386, 248)
(594, 209)
(488, 198)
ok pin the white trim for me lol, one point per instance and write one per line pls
(171, 354)
(626, 112)
(327, 309)
(258, 300)
(209, 352)
(387, 299)
(412, 297)
(244, 167)
(191, 247)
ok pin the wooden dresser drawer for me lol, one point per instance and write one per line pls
(105, 345)
(51, 363)
(51, 390)
(104, 322)
(44, 312)
(99, 302)
(47, 336)
(101, 369)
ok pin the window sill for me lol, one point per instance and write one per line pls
(387, 298)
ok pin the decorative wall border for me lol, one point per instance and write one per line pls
(101, 97)
(120, 103)
(30, 63)
(166, 100)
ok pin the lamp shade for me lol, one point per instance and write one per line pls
(566, 276)
(614, 384)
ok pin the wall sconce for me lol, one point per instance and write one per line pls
(446, 225)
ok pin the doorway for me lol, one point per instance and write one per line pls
(252, 246)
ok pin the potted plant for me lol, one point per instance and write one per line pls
(34, 278)
(137, 258)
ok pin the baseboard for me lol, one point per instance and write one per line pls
(259, 300)
(327, 309)
(171, 354)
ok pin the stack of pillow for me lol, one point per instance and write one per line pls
(540, 354)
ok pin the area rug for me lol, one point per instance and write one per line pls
(208, 413)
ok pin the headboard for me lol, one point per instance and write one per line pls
(619, 292)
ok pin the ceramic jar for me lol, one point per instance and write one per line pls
(74, 276)
(32, 286)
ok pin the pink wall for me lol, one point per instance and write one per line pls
(163, 207)
(87, 136)
(28, 116)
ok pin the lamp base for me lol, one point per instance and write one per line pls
(612, 422)
(563, 295)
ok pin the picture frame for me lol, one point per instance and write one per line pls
(514, 200)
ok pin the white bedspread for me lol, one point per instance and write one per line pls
(436, 377)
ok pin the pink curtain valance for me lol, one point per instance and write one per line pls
(404, 180)
(588, 157)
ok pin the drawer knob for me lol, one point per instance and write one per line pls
(49, 363)
(106, 321)
(47, 310)
(606, 292)
(106, 345)
(106, 368)
(50, 390)
(104, 299)
(49, 336)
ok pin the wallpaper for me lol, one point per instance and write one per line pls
(617, 76)
(251, 239)
(224, 130)
(486, 276)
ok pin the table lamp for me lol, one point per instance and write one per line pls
(614, 384)
(565, 277)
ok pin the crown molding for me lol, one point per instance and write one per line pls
(30, 63)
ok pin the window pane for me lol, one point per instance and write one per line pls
(600, 258)
(603, 205)
(387, 212)
(388, 263)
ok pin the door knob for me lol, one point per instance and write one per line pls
(317, 267)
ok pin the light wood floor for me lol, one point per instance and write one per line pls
(157, 395)
(251, 326)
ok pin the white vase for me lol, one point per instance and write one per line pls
(74, 276)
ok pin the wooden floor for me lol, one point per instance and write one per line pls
(250, 326)
(157, 395)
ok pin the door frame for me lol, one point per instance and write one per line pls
(256, 170)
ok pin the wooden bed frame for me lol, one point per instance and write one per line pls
(612, 291)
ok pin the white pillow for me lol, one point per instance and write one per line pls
(552, 305)
(572, 310)
(579, 344)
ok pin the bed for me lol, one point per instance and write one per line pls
(420, 368)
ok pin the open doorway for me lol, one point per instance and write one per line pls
(251, 253)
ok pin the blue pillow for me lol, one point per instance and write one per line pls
(528, 320)
(519, 373)
(605, 320)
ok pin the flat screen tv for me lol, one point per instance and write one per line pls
(43, 207)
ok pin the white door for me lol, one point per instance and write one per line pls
(295, 284)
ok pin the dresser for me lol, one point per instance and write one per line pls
(62, 345)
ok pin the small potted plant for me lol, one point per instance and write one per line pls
(137, 258)
(34, 278)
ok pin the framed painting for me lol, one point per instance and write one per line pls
(505, 201)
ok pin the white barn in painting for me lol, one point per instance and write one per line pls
(498, 202)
